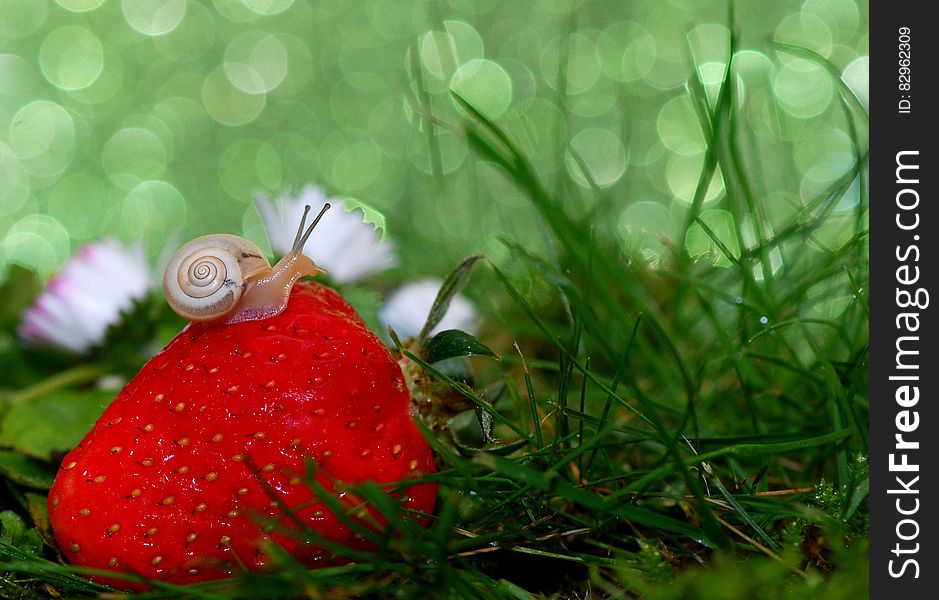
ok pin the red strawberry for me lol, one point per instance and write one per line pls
(167, 485)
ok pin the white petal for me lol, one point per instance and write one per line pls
(460, 315)
(86, 313)
(39, 328)
(62, 316)
(87, 296)
(406, 310)
(343, 244)
(312, 195)
(275, 222)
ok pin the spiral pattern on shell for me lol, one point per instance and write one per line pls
(207, 276)
(204, 275)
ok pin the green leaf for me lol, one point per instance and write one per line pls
(26, 471)
(464, 391)
(450, 288)
(51, 424)
(452, 343)
(12, 526)
(471, 430)
(555, 484)
(14, 532)
(15, 560)
(127, 341)
(858, 494)
(744, 514)
(371, 215)
(510, 590)
(506, 449)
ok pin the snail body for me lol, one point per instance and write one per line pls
(226, 278)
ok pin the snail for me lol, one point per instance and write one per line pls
(226, 278)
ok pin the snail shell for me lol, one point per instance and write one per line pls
(206, 278)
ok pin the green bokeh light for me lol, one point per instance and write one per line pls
(236, 168)
(80, 5)
(37, 241)
(804, 90)
(133, 155)
(453, 151)
(701, 244)
(856, 76)
(485, 84)
(42, 135)
(153, 211)
(824, 154)
(683, 174)
(806, 30)
(678, 127)
(268, 7)
(255, 62)
(356, 166)
(15, 188)
(79, 200)
(645, 226)
(191, 38)
(106, 87)
(16, 75)
(20, 18)
(626, 51)
(236, 10)
(71, 58)
(154, 17)
(157, 118)
(841, 16)
(597, 156)
(229, 105)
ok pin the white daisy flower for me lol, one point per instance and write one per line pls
(87, 296)
(407, 309)
(345, 245)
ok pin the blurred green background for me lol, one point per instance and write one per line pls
(161, 118)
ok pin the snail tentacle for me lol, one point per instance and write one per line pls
(267, 295)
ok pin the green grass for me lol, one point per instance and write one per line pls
(694, 428)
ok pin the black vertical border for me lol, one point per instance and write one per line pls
(893, 132)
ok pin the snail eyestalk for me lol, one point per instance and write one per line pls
(267, 295)
(303, 236)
